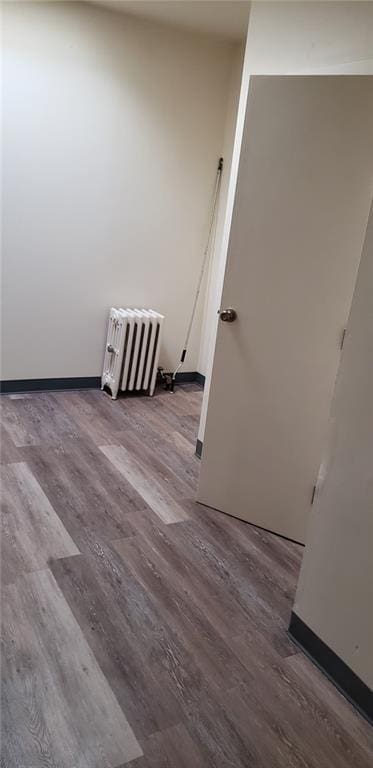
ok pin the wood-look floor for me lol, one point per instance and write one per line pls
(140, 628)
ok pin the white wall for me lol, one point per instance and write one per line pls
(310, 37)
(112, 128)
(292, 38)
(335, 591)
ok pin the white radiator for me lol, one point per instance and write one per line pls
(132, 350)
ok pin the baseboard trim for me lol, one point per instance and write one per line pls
(185, 376)
(18, 386)
(347, 682)
(200, 378)
(199, 447)
(14, 386)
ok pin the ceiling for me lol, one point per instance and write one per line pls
(221, 18)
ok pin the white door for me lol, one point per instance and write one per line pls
(302, 202)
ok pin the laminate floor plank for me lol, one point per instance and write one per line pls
(156, 464)
(276, 588)
(305, 720)
(160, 428)
(162, 414)
(155, 417)
(102, 418)
(8, 450)
(32, 532)
(242, 592)
(187, 688)
(188, 427)
(91, 498)
(314, 683)
(181, 403)
(31, 710)
(257, 650)
(128, 637)
(213, 728)
(309, 715)
(171, 748)
(165, 409)
(146, 483)
(279, 745)
(61, 711)
(248, 579)
(168, 451)
(162, 648)
(272, 550)
(97, 416)
(36, 419)
(187, 448)
(188, 621)
(197, 582)
(269, 598)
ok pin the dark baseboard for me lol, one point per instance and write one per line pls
(347, 682)
(200, 378)
(199, 447)
(11, 386)
(14, 386)
(184, 376)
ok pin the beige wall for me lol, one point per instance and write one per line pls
(311, 38)
(335, 592)
(290, 38)
(111, 132)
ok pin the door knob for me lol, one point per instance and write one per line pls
(228, 315)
